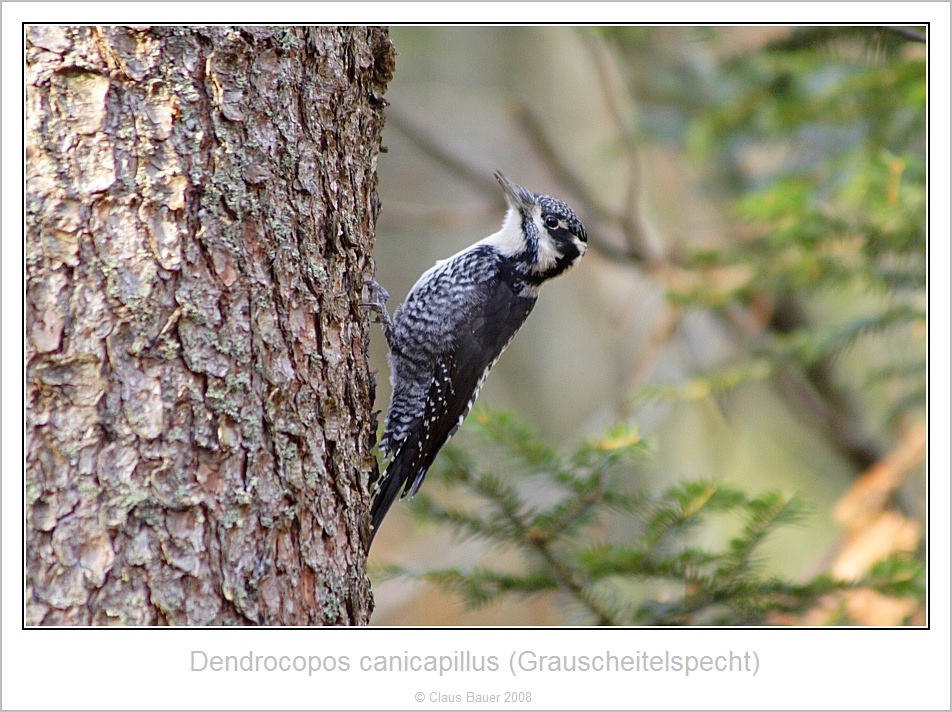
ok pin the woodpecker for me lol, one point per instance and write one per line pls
(455, 323)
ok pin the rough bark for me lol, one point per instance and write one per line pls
(200, 218)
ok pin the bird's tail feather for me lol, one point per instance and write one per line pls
(387, 494)
(393, 484)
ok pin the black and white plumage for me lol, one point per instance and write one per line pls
(455, 323)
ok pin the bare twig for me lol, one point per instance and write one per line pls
(811, 389)
(563, 573)
(457, 163)
(566, 175)
(581, 194)
(630, 220)
(565, 576)
(870, 493)
(475, 175)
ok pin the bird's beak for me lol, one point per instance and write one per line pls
(517, 196)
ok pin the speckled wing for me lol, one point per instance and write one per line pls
(485, 329)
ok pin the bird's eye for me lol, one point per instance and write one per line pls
(551, 222)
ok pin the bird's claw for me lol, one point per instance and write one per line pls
(378, 295)
(377, 302)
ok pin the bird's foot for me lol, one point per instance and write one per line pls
(377, 303)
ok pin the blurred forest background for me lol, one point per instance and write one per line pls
(751, 319)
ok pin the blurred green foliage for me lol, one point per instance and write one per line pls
(813, 144)
(662, 572)
(818, 142)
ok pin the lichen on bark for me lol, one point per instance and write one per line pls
(200, 218)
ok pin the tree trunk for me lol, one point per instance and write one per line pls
(200, 217)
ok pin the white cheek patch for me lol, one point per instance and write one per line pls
(510, 240)
(548, 250)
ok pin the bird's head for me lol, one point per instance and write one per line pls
(540, 234)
